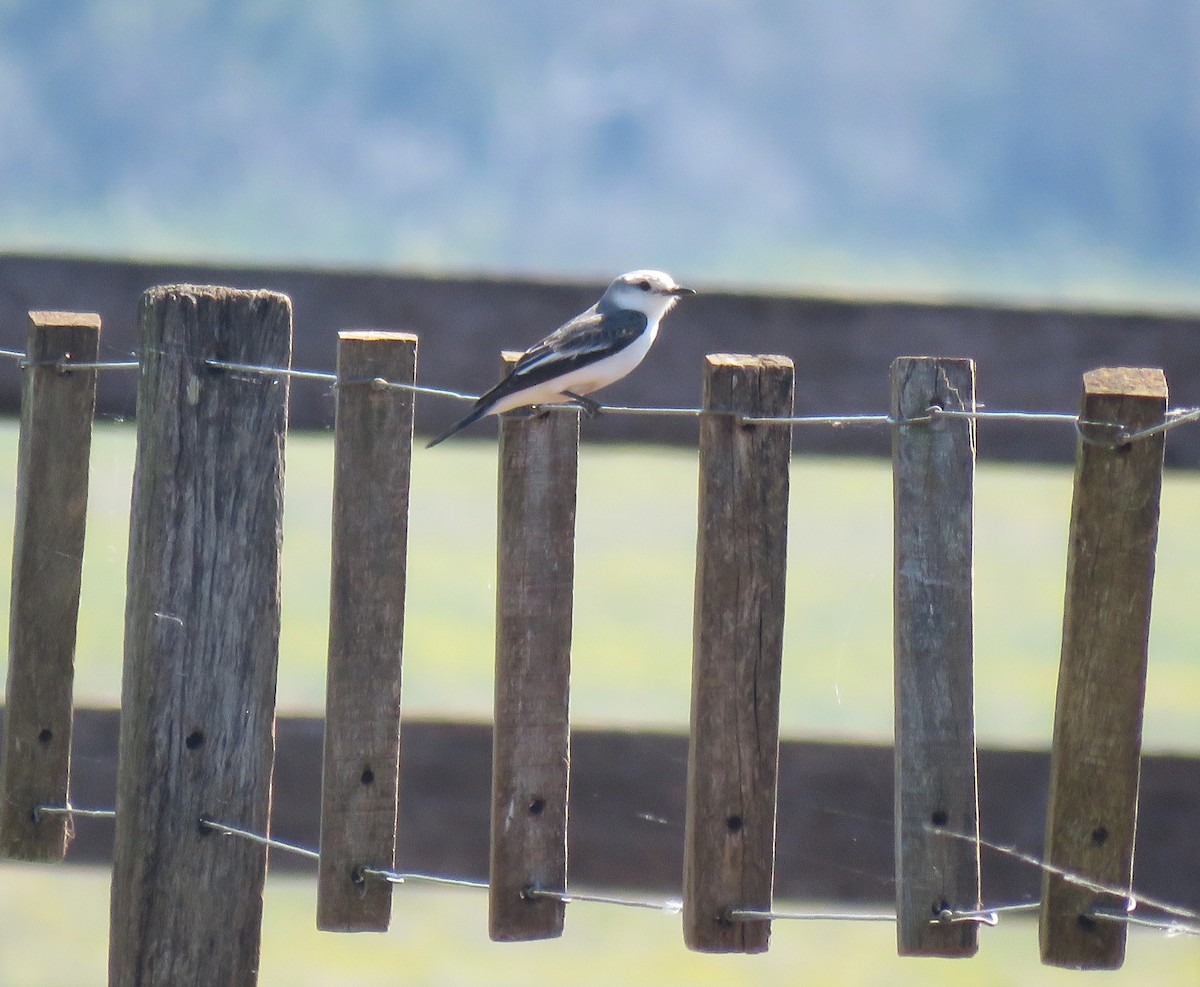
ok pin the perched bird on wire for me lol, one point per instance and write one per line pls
(596, 348)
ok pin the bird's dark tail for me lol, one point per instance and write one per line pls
(477, 412)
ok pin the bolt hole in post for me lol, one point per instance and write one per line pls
(1086, 923)
(194, 740)
(1100, 835)
(367, 777)
(45, 736)
(537, 806)
(734, 824)
(939, 817)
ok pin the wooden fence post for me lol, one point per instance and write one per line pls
(933, 470)
(1095, 758)
(201, 638)
(359, 783)
(57, 408)
(741, 556)
(535, 575)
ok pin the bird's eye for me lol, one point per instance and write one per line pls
(644, 284)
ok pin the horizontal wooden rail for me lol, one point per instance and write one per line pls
(846, 345)
(834, 843)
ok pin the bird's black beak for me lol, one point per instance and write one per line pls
(680, 292)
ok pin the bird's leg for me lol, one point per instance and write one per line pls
(590, 408)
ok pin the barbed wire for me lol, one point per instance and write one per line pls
(1120, 435)
(1184, 921)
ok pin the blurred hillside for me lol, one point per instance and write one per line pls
(998, 147)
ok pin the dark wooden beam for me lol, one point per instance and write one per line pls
(627, 791)
(1030, 358)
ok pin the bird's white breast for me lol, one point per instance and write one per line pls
(586, 379)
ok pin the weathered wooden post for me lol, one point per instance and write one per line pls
(741, 559)
(359, 783)
(57, 408)
(535, 577)
(1096, 756)
(936, 803)
(201, 638)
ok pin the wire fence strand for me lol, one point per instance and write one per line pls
(1112, 434)
(1175, 920)
(770, 915)
(672, 907)
(1120, 436)
(227, 830)
(1172, 927)
(1130, 895)
(66, 366)
(70, 810)
(405, 877)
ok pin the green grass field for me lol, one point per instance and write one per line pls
(54, 927)
(634, 574)
(635, 558)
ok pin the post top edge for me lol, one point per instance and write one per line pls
(376, 336)
(89, 320)
(214, 291)
(748, 360)
(1147, 382)
(933, 359)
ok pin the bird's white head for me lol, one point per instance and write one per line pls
(650, 292)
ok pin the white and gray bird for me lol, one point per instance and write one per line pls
(596, 348)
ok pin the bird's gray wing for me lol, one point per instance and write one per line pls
(584, 340)
(587, 338)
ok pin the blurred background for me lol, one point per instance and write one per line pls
(1017, 151)
(998, 147)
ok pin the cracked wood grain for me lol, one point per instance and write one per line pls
(372, 463)
(531, 749)
(933, 471)
(53, 456)
(741, 555)
(201, 638)
(1096, 755)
